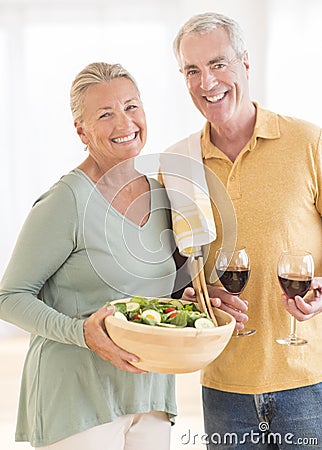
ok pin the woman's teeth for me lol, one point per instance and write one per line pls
(120, 140)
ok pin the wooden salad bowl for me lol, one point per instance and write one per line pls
(171, 350)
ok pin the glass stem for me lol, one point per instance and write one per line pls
(293, 327)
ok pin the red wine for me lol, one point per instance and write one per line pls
(294, 284)
(234, 278)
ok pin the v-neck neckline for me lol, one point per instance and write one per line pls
(116, 211)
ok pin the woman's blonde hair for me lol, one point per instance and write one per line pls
(95, 73)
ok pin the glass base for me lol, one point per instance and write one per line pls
(291, 340)
(244, 332)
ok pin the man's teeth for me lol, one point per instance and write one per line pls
(130, 137)
(216, 98)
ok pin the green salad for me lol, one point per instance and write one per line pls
(171, 314)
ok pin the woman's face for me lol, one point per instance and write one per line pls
(113, 122)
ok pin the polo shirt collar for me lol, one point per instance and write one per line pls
(266, 127)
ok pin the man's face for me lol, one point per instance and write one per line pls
(216, 78)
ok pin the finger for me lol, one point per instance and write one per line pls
(103, 312)
(215, 302)
(316, 286)
(110, 310)
(124, 355)
(237, 303)
(295, 311)
(119, 357)
(189, 294)
(190, 291)
(305, 307)
(317, 283)
(297, 305)
(298, 308)
(284, 301)
(130, 368)
(291, 305)
(239, 326)
(234, 301)
(113, 351)
(238, 315)
(125, 365)
(300, 304)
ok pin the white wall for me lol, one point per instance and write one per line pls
(44, 43)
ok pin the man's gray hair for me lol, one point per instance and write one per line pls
(205, 22)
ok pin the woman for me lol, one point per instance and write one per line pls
(93, 237)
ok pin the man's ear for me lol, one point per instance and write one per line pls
(245, 61)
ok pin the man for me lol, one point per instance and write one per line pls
(271, 167)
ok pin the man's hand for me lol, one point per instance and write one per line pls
(223, 300)
(305, 309)
(98, 341)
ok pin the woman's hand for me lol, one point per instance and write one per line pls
(98, 341)
(305, 309)
(223, 300)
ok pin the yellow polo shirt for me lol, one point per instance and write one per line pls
(275, 186)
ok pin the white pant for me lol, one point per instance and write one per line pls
(130, 432)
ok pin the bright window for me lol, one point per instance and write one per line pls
(294, 60)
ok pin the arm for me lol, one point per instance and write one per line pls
(304, 309)
(44, 244)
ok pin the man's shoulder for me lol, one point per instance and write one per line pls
(272, 124)
(297, 121)
(288, 119)
(302, 130)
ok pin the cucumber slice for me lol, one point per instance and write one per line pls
(166, 325)
(120, 315)
(132, 306)
(203, 322)
(176, 304)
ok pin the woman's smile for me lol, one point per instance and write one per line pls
(124, 139)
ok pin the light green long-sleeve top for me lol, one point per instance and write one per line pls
(73, 254)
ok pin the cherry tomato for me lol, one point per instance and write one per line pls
(173, 315)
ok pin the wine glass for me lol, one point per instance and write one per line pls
(295, 272)
(233, 270)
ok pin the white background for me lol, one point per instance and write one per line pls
(45, 43)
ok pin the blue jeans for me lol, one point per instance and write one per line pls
(290, 419)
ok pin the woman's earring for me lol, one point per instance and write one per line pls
(85, 148)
